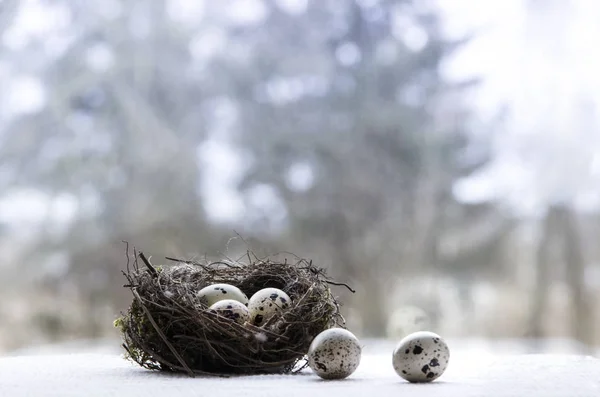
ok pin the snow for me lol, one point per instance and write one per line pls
(472, 372)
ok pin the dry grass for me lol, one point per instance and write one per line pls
(167, 328)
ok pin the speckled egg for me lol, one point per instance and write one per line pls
(232, 310)
(266, 303)
(216, 292)
(421, 357)
(334, 354)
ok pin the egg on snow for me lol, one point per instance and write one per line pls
(231, 309)
(217, 292)
(267, 302)
(334, 354)
(421, 357)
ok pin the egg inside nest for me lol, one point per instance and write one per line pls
(231, 310)
(267, 303)
(214, 293)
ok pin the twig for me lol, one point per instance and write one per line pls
(136, 266)
(195, 263)
(126, 348)
(159, 331)
(341, 285)
(172, 366)
(222, 263)
(178, 260)
(151, 268)
(304, 365)
(127, 254)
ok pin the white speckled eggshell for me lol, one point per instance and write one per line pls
(334, 354)
(232, 310)
(421, 357)
(217, 292)
(265, 303)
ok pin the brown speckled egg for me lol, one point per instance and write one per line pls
(421, 357)
(267, 302)
(232, 310)
(334, 354)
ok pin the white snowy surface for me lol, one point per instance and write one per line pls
(471, 372)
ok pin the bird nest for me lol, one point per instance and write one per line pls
(167, 327)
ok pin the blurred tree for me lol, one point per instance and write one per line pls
(564, 178)
(118, 133)
(347, 119)
(560, 235)
(353, 140)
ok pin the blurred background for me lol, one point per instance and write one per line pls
(442, 157)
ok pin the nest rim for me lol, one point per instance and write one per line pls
(165, 329)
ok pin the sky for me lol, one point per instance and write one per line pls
(542, 66)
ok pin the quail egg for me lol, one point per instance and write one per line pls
(266, 303)
(421, 357)
(334, 354)
(231, 309)
(217, 292)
